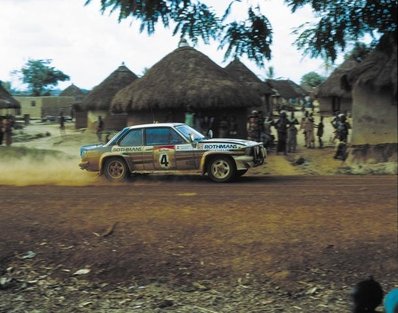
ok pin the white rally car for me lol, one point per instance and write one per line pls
(152, 148)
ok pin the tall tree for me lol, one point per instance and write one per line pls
(340, 22)
(40, 76)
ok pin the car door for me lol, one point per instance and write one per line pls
(131, 147)
(168, 151)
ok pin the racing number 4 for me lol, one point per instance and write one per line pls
(164, 160)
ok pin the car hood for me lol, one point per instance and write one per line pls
(86, 148)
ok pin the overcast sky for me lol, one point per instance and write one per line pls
(88, 46)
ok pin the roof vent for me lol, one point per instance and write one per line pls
(183, 43)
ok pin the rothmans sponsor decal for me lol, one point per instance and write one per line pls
(220, 146)
(126, 149)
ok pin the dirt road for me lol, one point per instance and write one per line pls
(283, 242)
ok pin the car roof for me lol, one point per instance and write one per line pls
(155, 125)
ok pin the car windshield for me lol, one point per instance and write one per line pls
(185, 130)
(116, 136)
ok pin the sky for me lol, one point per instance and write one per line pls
(88, 46)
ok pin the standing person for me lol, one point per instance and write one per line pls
(281, 126)
(307, 124)
(62, 123)
(343, 127)
(223, 127)
(100, 128)
(334, 122)
(292, 133)
(268, 138)
(252, 126)
(189, 116)
(233, 127)
(342, 135)
(198, 122)
(302, 126)
(206, 124)
(260, 126)
(1, 130)
(319, 133)
(8, 130)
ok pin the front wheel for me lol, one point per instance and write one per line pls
(116, 170)
(221, 169)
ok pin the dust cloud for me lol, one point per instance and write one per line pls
(47, 170)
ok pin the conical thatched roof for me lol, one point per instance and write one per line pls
(332, 87)
(286, 88)
(185, 77)
(243, 74)
(6, 100)
(100, 97)
(378, 70)
(72, 91)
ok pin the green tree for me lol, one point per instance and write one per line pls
(40, 76)
(312, 80)
(340, 23)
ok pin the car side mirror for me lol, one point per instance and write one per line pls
(210, 134)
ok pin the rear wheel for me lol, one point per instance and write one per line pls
(221, 169)
(116, 170)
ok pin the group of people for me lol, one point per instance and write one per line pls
(226, 126)
(287, 128)
(6, 126)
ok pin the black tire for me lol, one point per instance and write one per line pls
(221, 169)
(116, 170)
(240, 173)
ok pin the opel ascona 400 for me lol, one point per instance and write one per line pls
(171, 147)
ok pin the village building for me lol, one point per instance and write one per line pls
(332, 97)
(373, 84)
(45, 107)
(77, 94)
(287, 95)
(98, 101)
(73, 91)
(242, 73)
(8, 104)
(187, 86)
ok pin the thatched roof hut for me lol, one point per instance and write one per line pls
(378, 71)
(6, 100)
(184, 78)
(100, 97)
(332, 87)
(373, 84)
(287, 89)
(243, 74)
(73, 91)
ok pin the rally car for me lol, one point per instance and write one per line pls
(170, 147)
